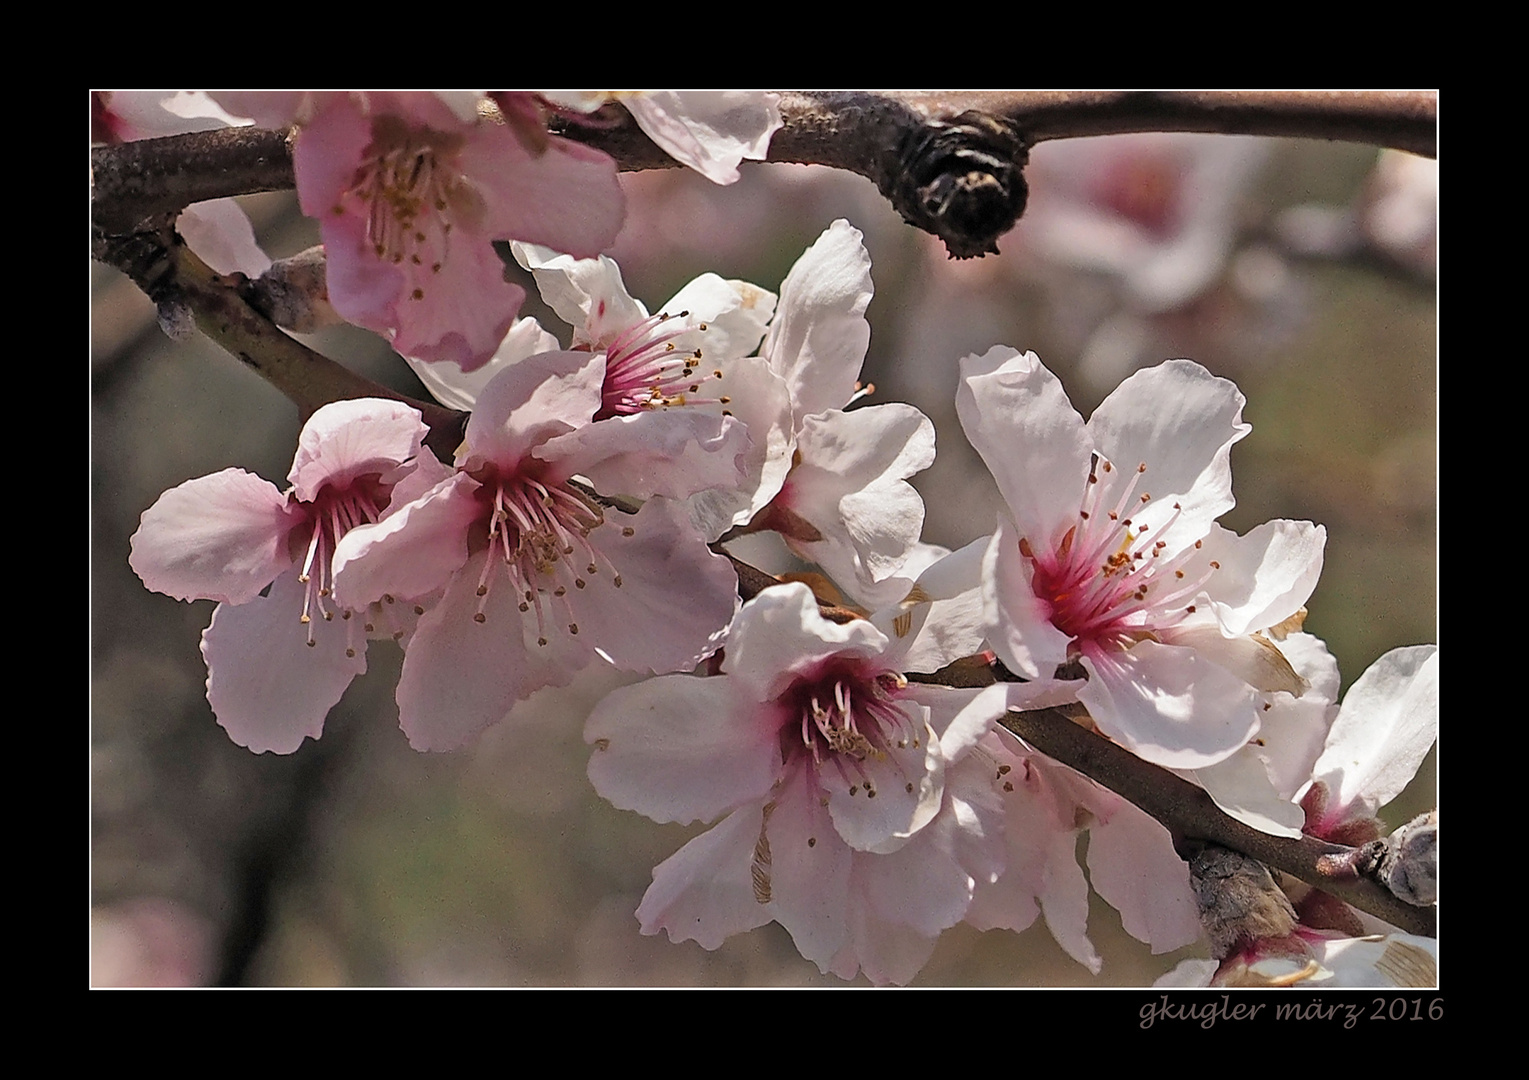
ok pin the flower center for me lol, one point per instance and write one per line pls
(645, 370)
(539, 534)
(1109, 581)
(411, 191)
(332, 514)
(847, 717)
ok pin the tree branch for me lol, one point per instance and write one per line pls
(950, 163)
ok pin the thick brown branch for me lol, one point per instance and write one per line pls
(173, 277)
(144, 179)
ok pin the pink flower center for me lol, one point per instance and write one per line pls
(1109, 582)
(335, 512)
(846, 715)
(644, 370)
(412, 191)
(538, 533)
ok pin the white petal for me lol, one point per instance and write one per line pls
(458, 389)
(1241, 786)
(587, 294)
(1180, 421)
(705, 891)
(1017, 416)
(1389, 719)
(1168, 704)
(1132, 864)
(709, 130)
(533, 401)
(818, 339)
(1264, 576)
(780, 636)
(850, 484)
(1018, 622)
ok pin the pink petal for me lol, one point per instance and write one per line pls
(460, 676)
(268, 688)
(679, 748)
(219, 537)
(1019, 622)
(1266, 575)
(706, 891)
(531, 402)
(675, 600)
(566, 198)
(670, 452)
(411, 552)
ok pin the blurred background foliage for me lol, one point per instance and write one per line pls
(1304, 271)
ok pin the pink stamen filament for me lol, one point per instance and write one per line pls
(644, 370)
(1107, 580)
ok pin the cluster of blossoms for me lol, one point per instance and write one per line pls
(581, 518)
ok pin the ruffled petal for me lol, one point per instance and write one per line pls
(458, 389)
(531, 402)
(670, 452)
(1265, 576)
(780, 634)
(851, 486)
(348, 439)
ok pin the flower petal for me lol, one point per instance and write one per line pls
(219, 537)
(268, 688)
(679, 748)
(818, 339)
(1168, 705)
(709, 130)
(1017, 416)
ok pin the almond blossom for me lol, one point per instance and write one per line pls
(853, 812)
(277, 657)
(410, 190)
(1110, 557)
(539, 576)
(832, 483)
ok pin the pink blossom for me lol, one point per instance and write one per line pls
(539, 576)
(277, 658)
(852, 814)
(1110, 557)
(410, 194)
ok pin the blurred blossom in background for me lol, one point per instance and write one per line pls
(1301, 270)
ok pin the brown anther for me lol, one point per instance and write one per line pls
(1008, 785)
(329, 616)
(812, 841)
(578, 583)
(541, 641)
(368, 627)
(1190, 609)
(1214, 565)
(573, 628)
(482, 590)
(627, 530)
(311, 644)
(304, 620)
(524, 606)
(480, 617)
(561, 590)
